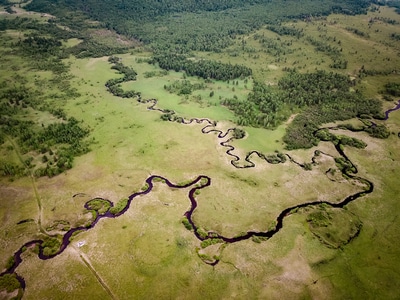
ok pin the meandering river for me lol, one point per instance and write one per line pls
(198, 183)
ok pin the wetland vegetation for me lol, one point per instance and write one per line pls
(272, 130)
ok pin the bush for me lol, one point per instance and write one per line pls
(10, 262)
(99, 205)
(9, 283)
(239, 133)
(187, 224)
(119, 206)
(51, 246)
(378, 131)
(202, 233)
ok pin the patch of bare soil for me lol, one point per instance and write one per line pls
(291, 118)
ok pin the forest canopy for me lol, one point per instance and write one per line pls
(179, 25)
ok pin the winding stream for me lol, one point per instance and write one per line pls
(199, 183)
(397, 107)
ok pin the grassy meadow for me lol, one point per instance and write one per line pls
(147, 253)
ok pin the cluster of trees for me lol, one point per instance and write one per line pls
(284, 30)
(203, 68)
(238, 133)
(120, 206)
(51, 245)
(275, 158)
(314, 88)
(17, 97)
(9, 283)
(41, 45)
(150, 9)
(378, 131)
(391, 3)
(46, 150)
(339, 63)
(274, 47)
(58, 143)
(384, 20)
(325, 135)
(99, 205)
(51, 33)
(322, 97)
(363, 72)
(89, 47)
(323, 47)
(357, 32)
(114, 85)
(69, 132)
(45, 53)
(301, 132)
(11, 169)
(263, 107)
(42, 139)
(392, 88)
(186, 223)
(34, 25)
(183, 87)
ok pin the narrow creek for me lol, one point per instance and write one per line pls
(199, 183)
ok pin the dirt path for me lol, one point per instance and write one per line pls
(34, 187)
(86, 261)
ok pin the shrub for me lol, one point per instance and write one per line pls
(121, 204)
(209, 242)
(9, 282)
(187, 224)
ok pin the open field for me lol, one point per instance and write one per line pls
(147, 252)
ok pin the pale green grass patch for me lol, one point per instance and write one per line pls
(262, 140)
(246, 200)
(72, 42)
(17, 203)
(65, 274)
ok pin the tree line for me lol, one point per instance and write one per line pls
(206, 69)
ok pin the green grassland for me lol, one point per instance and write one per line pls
(375, 50)
(147, 253)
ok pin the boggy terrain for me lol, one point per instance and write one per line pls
(231, 212)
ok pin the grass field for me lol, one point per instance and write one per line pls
(147, 253)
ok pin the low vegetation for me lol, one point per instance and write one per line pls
(280, 76)
(9, 283)
(333, 227)
(119, 206)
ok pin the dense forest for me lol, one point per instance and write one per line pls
(192, 25)
(149, 9)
